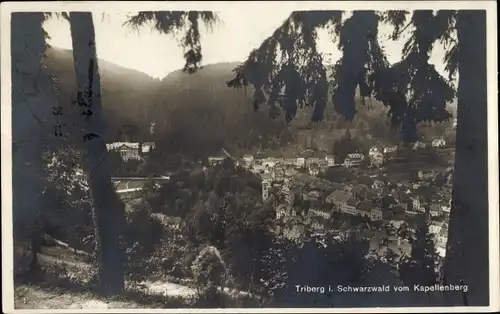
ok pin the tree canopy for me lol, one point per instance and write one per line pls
(288, 72)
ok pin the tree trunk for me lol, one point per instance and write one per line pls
(109, 212)
(32, 124)
(35, 246)
(467, 249)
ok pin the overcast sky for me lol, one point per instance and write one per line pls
(232, 40)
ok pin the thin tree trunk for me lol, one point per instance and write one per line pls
(35, 246)
(467, 249)
(108, 209)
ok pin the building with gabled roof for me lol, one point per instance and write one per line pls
(131, 151)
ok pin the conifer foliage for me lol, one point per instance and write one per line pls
(288, 72)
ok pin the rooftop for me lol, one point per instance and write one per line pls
(365, 205)
(340, 196)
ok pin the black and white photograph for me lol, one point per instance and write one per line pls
(261, 156)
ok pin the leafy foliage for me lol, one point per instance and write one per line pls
(142, 234)
(209, 268)
(67, 202)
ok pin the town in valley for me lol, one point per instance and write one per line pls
(380, 194)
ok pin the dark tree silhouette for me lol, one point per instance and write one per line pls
(468, 237)
(32, 125)
(287, 69)
(420, 268)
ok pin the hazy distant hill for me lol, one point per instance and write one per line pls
(198, 112)
(126, 93)
(113, 77)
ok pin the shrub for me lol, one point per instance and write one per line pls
(143, 234)
(188, 258)
(142, 228)
(208, 268)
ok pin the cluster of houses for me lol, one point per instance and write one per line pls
(376, 157)
(131, 151)
(436, 143)
(378, 201)
(268, 164)
(343, 202)
(381, 201)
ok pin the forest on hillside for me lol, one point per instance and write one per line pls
(197, 114)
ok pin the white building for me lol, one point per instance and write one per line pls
(438, 143)
(348, 209)
(375, 150)
(391, 149)
(148, 147)
(313, 169)
(435, 210)
(312, 160)
(215, 160)
(440, 232)
(284, 210)
(390, 152)
(368, 209)
(320, 213)
(269, 162)
(435, 227)
(426, 174)
(377, 159)
(375, 214)
(300, 162)
(353, 160)
(418, 145)
(396, 224)
(445, 209)
(442, 237)
(248, 159)
(418, 205)
(130, 151)
(330, 160)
